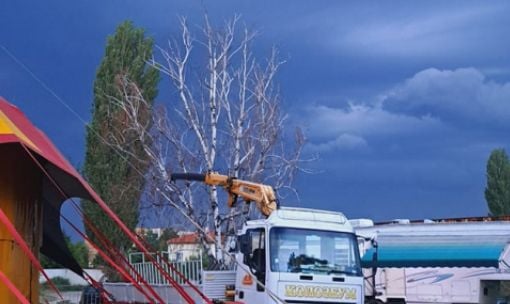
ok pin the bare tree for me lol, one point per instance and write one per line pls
(226, 116)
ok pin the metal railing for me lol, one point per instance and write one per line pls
(192, 269)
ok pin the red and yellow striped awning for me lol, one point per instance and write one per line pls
(16, 129)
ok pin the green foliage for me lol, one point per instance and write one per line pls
(207, 260)
(159, 244)
(497, 192)
(80, 253)
(152, 239)
(163, 239)
(109, 172)
(78, 250)
(60, 281)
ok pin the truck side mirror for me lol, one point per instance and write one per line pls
(245, 244)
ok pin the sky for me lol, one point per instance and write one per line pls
(403, 101)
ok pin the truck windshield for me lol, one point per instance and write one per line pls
(313, 251)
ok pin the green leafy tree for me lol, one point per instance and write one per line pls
(167, 234)
(159, 243)
(80, 253)
(497, 192)
(152, 239)
(113, 168)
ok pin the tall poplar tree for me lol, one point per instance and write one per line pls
(113, 169)
(497, 192)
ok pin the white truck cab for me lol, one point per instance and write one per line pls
(301, 256)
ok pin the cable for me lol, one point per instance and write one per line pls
(113, 264)
(42, 83)
(72, 225)
(12, 288)
(26, 250)
(103, 255)
(66, 105)
(112, 215)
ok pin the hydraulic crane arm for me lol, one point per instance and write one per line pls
(263, 195)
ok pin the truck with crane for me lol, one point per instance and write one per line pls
(293, 255)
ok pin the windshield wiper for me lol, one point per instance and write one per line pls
(297, 269)
(336, 271)
(347, 272)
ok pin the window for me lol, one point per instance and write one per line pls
(179, 256)
(257, 257)
(314, 251)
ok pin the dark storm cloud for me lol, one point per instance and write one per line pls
(441, 32)
(403, 100)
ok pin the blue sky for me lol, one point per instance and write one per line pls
(402, 100)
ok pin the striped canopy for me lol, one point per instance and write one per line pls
(437, 251)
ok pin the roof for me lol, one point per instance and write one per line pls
(437, 251)
(16, 128)
(190, 238)
(304, 218)
(433, 229)
(453, 220)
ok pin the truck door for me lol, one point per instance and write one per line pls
(254, 258)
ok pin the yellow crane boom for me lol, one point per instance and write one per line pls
(262, 195)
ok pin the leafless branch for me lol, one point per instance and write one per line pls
(227, 118)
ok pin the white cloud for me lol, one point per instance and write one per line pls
(362, 120)
(451, 95)
(496, 71)
(431, 105)
(342, 142)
